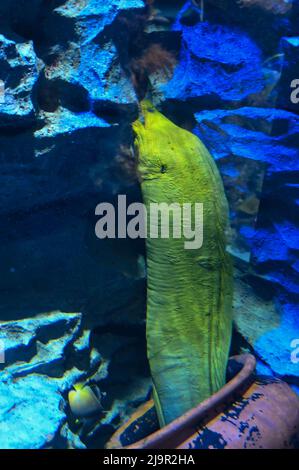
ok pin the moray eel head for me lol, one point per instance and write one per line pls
(154, 161)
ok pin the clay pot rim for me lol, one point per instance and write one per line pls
(191, 417)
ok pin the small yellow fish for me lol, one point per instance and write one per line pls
(83, 401)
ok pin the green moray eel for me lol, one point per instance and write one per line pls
(189, 291)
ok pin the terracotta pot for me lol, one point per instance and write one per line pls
(253, 412)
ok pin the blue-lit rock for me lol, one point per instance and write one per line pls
(64, 121)
(20, 336)
(253, 315)
(19, 72)
(287, 97)
(70, 112)
(247, 142)
(96, 69)
(41, 363)
(266, 22)
(275, 244)
(262, 134)
(217, 63)
(51, 167)
(92, 16)
(268, 245)
(277, 346)
(31, 413)
(269, 138)
(269, 327)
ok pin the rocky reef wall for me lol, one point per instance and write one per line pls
(73, 72)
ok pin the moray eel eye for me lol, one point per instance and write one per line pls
(163, 169)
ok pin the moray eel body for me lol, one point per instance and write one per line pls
(189, 291)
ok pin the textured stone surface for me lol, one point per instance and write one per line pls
(37, 370)
(289, 46)
(253, 315)
(217, 63)
(26, 422)
(65, 138)
(67, 107)
(275, 257)
(247, 142)
(260, 19)
(261, 134)
(264, 217)
(91, 17)
(96, 69)
(21, 336)
(19, 73)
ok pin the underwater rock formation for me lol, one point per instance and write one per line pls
(270, 235)
(59, 156)
(253, 315)
(21, 338)
(260, 134)
(275, 257)
(68, 76)
(95, 69)
(61, 130)
(289, 46)
(19, 71)
(247, 142)
(44, 356)
(88, 19)
(26, 422)
(217, 64)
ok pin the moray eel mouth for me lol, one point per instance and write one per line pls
(146, 109)
(142, 125)
(151, 165)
